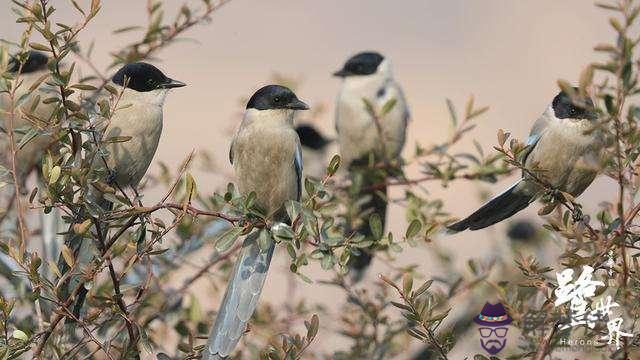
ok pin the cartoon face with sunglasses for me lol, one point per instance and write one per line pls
(493, 321)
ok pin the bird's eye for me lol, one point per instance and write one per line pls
(573, 111)
(276, 99)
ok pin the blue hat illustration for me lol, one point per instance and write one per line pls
(493, 315)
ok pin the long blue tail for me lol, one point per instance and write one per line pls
(240, 299)
(497, 209)
(84, 250)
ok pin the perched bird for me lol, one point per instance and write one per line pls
(139, 118)
(563, 147)
(266, 157)
(314, 150)
(30, 155)
(368, 76)
(34, 126)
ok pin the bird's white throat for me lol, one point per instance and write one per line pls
(375, 80)
(268, 118)
(153, 97)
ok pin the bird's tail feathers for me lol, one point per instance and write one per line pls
(240, 299)
(358, 264)
(497, 209)
(84, 250)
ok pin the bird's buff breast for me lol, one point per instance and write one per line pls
(131, 159)
(264, 164)
(569, 158)
(357, 131)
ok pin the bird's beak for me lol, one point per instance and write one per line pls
(172, 84)
(342, 73)
(297, 104)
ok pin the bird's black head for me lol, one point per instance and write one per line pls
(364, 63)
(310, 137)
(565, 108)
(275, 97)
(36, 61)
(143, 77)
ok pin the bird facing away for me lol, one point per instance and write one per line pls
(41, 118)
(562, 145)
(30, 155)
(139, 118)
(368, 75)
(314, 151)
(266, 156)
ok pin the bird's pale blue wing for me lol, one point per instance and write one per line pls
(530, 144)
(297, 162)
(537, 132)
(240, 299)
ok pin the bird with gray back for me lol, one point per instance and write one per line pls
(266, 156)
(368, 76)
(139, 119)
(564, 146)
(34, 127)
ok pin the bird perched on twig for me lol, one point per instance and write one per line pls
(138, 123)
(266, 157)
(368, 82)
(27, 117)
(562, 145)
(34, 127)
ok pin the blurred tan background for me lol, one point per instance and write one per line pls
(509, 54)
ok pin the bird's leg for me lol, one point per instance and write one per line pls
(111, 176)
(556, 195)
(137, 194)
(578, 216)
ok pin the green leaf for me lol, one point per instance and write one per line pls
(452, 113)
(264, 239)
(388, 106)
(82, 227)
(54, 268)
(375, 224)
(191, 186)
(39, 47)
(127, 29)
(407, 283)
(327, 262)
(423, 288)
(30, 135)
(140, 235)
(117, 139)
(283, 232)
(312, 330)
(78, 7)
(84, 87)
(369, 107)
(309, 187)
(291, 251)
(401, 306)
(54, 174)
(334, 164)
(20, 335)
(227, 239)
(67, 255)
(413, 229)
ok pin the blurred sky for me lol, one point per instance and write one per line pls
(509, 54)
